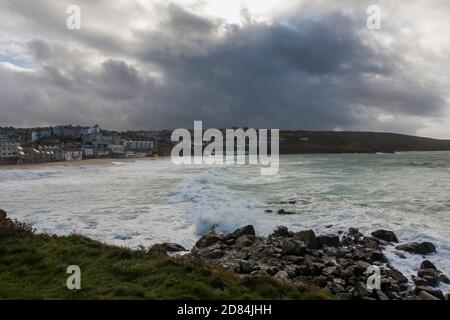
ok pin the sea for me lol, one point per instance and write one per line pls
(145, 202)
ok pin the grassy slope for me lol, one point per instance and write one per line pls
(356, 142)
(34, 267)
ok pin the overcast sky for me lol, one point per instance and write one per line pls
(256, 63)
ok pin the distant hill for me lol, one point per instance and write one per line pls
(300, 142)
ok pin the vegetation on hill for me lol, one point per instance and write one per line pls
(300, 142)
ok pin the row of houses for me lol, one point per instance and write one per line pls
(12, 152)
(71, 143)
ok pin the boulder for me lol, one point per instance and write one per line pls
(208, 240)
(427, 273)
(361, 291)
(430, 276)
(215, 254)
(431, 281)
(397, 276)
(385, 235)
(293, 247)
(345, 296)
(2, 215)
(381, 295)
(436, 293)
(281, 231)
(308, 237)
(444, 279)
(329, 240)
(417, 248)
(245, 266)
(244, 231)
(245, 241)
(281, 276)
(354, 232)
(377, 255)
(291, 271)
(172, 247)
(426, 264)
(294, 259)
(423, 295)
(419, 282)
(284, 212)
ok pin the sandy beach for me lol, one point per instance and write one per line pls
(86, 162)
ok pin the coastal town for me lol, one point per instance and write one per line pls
(75, 143)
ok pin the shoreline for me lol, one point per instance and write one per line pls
(79, 163)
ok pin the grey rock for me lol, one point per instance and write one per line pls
(361, 290)
(172, 247)
(444, 279)
(245, 266)
(208, 240)
(272, 270)
(293, 247)
(419, 282)
(291, 271)
(244, 231)
(385, 235)
(214, 254)
(417, 248)
(329, 271)
(426, 264)
(377, 255)
(397, 276)
(281, 231)
(345, 296)
(281, 276)
(2, 215)
(284, 212)
(436, 293)
(308, 237)
(431, 281)
(245, 241)
(381, 295)
(329, 240)
(294, 259)
(423, 295)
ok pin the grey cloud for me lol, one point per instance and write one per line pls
(310, 71)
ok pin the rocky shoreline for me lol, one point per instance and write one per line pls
(341, 265)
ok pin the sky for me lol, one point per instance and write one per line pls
(312, 65)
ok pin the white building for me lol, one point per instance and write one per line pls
(87, 151)
(8, 150)
(141, 145)
(40, 134)
(116, 148)
(73, 155)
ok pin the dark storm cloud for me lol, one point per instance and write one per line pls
(298, 72)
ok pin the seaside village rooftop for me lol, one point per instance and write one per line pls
(73, 143)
